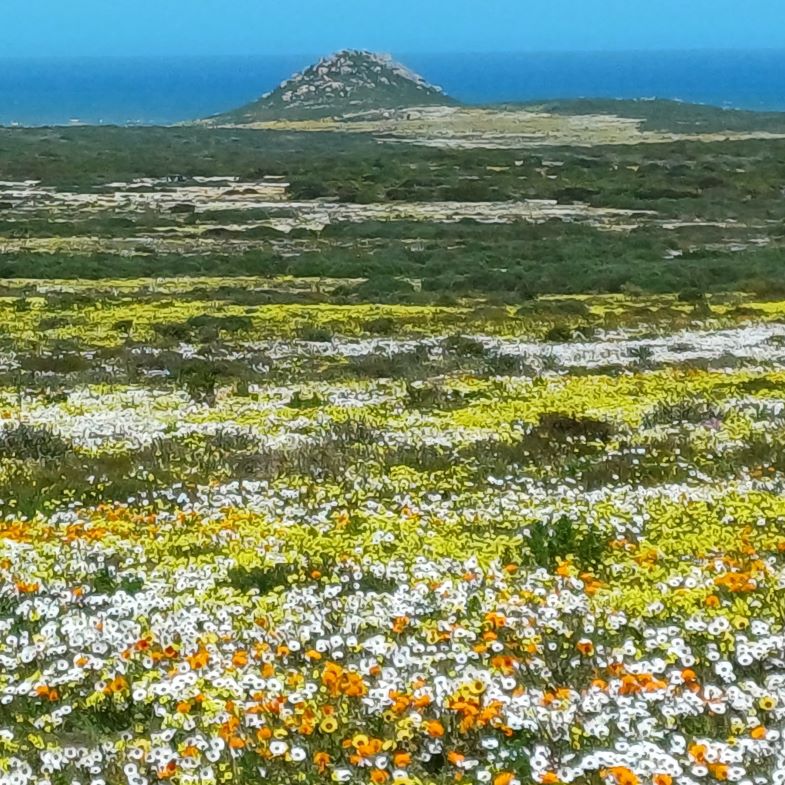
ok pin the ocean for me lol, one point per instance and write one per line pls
(171, 90)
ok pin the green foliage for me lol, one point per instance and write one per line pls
(261, 580)
(463, 346)
(30, 442)
(560, 333)
(315, 334)
(200, 378)
(56, 364)
(105, 582)
(718, 225)
(562, 426)
(551, 544)
(212, 326)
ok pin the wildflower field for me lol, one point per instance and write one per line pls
(296, 543)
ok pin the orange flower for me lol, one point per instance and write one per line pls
(117, 684)
(50, 693)
(736, 582)
(719, 771)
(200, 659)
(379, 776)
(504, 662)
(240, 659)
(565, 568)
(590, 584)
(168, 771)
(621, 775)
(402, 760)
(338, 681)
(455, 757)
(369, 748)
(422, 702)
(400, 701)
(228, 729)
(434, 729)
(355, 686)
(758, 733)
(663, 779)
(495, 619)
(698, 752)
(503, 778)
(549, 778)
(321, 760)
(586, 648)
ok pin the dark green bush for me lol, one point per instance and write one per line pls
(30, 442)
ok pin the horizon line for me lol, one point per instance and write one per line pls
(399, 52)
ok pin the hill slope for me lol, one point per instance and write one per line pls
(346, 82)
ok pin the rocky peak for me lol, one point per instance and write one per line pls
(347, 82)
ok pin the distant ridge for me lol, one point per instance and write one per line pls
(347, 82)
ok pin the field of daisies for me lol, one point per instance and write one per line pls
(247, 535)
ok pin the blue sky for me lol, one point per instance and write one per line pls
(225, 27)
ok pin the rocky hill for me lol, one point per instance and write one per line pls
(347, 82)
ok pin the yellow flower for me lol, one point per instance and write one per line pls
(475, 687)
(359, 740)
(328, 725)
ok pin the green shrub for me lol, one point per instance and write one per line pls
(314, 334)
(562, 539)
(260, 579)
(382, 325)
(560, 333)
(563, 426)
(463, 346)
(57, 364)
(30, 442)
(208, 326)
(172, 331)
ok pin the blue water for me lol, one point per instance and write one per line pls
(128, 90)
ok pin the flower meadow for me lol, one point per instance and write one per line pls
(390, 544)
